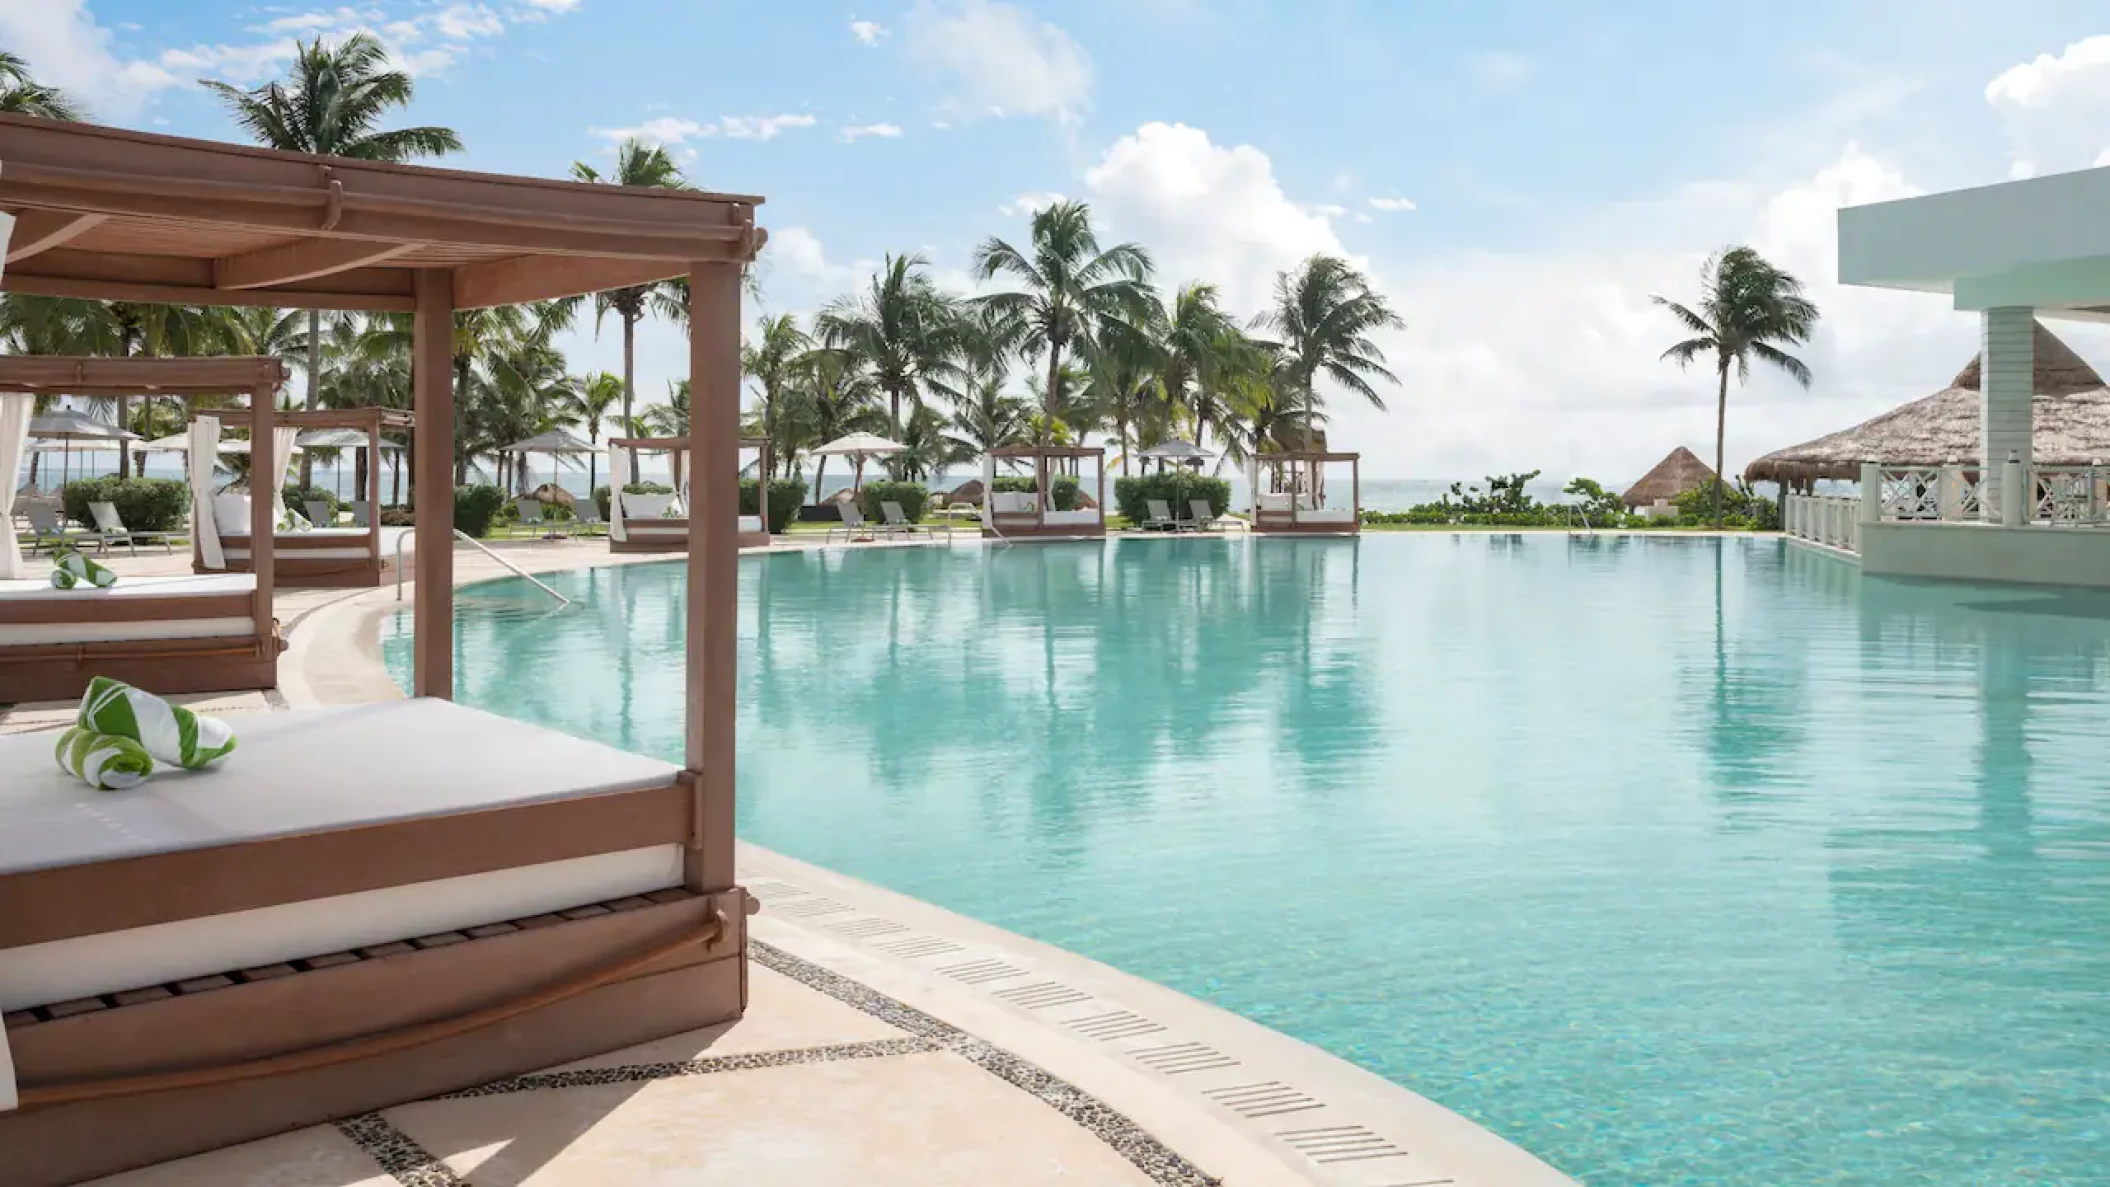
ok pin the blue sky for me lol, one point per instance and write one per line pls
(1518, 175)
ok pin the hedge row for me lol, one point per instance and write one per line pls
(1131, 495)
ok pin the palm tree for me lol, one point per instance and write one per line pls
(1203, 354)
(906, 332)
(1068, 284)
(1746, 306)
(1324, 314)
(591, 400)
(22, 94)
(329, 104)
(832, 397)
(1125, 381)
(988, 419)
(670, 419)
(930, 449)
(769, 360)
(650, 166)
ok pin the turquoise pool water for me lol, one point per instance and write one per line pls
(1674, 861)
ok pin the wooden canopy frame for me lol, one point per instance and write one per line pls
(1292, 520)
(671, 533)
(106, 214)
(1038, 525)
(307, 562)
(177, 665)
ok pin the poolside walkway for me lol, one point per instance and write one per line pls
(887, 1042)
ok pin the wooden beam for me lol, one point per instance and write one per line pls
(432, 375)
(42, 230)
(303, 260)
(202, 376)
(714, 556)
(516, 280)
(171, 294)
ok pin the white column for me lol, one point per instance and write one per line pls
(2006, 386)
(989, 491)
(1871, 493)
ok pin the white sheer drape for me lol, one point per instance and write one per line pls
(15, 410)
(618, 478)
(282, 443)
(204, 451)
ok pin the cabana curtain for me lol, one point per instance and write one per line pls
(282, 443)
(14, 446)
(618, 478)
(204, 448)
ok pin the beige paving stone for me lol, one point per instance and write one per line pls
(782, 1015)
(925, 1120)
(315, 1157)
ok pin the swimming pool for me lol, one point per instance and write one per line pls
(1671, 860)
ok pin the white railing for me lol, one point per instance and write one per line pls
(2049, 496)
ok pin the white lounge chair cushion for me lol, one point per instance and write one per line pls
(230, 514)
(646, 506)
(1278, 503)
(1082, 516)
(1012, 502)
(750, 523)
(305, 771)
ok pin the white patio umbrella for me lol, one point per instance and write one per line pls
(180, 443)
(1179, 453)
(75, 430)
(860, 447)
(340, 439)
(557, 443)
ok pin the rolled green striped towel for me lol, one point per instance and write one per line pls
(75, 570)
(107, 763)
(171, 733)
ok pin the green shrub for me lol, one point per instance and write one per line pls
(145, 504)
(914, 498)
(786, 495)
(298, 497)
(1742, 507)
(398, 517)
(475, 506)
(1062, 487)
(1132, 495)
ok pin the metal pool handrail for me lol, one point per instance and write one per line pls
(466, 538)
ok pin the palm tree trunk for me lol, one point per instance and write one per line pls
(820, 472)
(1054, 390)
(307, 463)
(629, 371)
(1121, 426)
(1721, 428)
(124, 448)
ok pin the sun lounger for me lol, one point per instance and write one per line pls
(853, 524)
(1160, 517)
(49, 529)
(170, 634)
(589, 518)
(321, 513)
(111, 527)
(897, 520)
(361, 513)
(1205, 519)
(361, 907)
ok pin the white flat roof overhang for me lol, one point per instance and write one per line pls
(2044, 243)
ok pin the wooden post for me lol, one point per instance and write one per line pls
(1102, 490)
(714, 558)
(373, 492)
(432, 366)
(263, 513)
(1355, 490)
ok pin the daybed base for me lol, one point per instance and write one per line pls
(1280, 522)
(61, 671)
(1028, 526)
(312, 1010)
(672, 535)
(309, 560)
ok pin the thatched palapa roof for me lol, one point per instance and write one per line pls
(1681, 471)
(2071, 416)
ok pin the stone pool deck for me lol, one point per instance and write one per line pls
(887, 1042)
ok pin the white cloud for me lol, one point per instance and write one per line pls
(555, 5)
(800, 250)
(2057, 108)
(1029, 203)
(1392, 205)
(1205, 211)
(669, 129)
(1329, 209)
(867, 32)
(463, 22)
(67, 48)
(1501, 70)
(855, 132)
(997, 58)
(312, 22)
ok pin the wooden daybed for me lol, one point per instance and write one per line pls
(1032, 513)
(324, 556)
(361, 908)
(648, 523)
(171, 634)
(1294, 510)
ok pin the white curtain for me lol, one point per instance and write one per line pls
(15, 410)
(204, 450)
(1252, 483)
(282, 443)
(618, 478)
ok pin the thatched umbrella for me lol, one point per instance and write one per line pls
(1677, 473)
(2070, 417)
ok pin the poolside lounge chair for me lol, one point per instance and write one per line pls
(853, 524)
(360, 512)
(111, 527)
(1160, 517)
(450, 898)
(897, 520)
(321, 513)
(48, 528)
(531, 516)
(589, 518)
(1205, 519)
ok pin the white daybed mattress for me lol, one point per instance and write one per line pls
(355, 547)
(301, 772)
(88, 631)
(749, 523)
(1325, 515)
(1082, 517)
